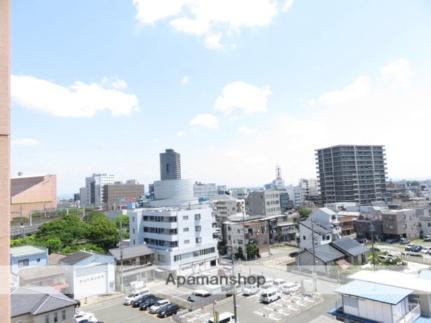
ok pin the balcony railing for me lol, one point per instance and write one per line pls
(412, 315)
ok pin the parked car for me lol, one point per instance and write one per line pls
(270, 295)
(290, 288)
(198, 295)
(411, 253)
(392, 240)
(404, 241)
(80, 317)
(279, 282)
(148, 303)
(249, 290)
(157, 305)
(224, 317)
(134, 296)
(140, 300)
(427, 238)
(168, 310)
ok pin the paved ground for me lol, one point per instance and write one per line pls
(113, 311)
(289, 309)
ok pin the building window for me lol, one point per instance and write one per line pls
(198, 240)
(197, 216)
(23, 263)
(198, 228)
(186, 229)
(47, 318)
(186, 241)
(185, 217)
(63, 314)
(55, 317)
(38, 259)
(304, 238)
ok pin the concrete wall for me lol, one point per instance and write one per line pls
(4, 159)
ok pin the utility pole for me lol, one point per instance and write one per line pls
(314, 255)
(372, 230)
(269, 238)
(235, 312)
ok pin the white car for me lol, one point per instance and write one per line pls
(160, 303)
(289, 288)
(249, 290)
(224, 317)
(83, 316)
(279, 282)
(129, 299)
(270, 295)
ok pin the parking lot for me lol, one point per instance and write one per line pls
(113, 311)
(295, 308)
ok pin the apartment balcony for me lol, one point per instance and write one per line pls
(413, 314)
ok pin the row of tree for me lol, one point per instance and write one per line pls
(72, 233)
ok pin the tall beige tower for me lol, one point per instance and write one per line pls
(4, 160)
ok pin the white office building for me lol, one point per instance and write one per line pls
(178, 228)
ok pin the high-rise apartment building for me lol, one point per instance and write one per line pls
(170, 165)
(263, 202)
(4, 159)
(94, 189)
(352, 173)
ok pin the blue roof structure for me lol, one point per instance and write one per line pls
(376, 292)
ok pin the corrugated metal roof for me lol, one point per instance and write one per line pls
(376, 292)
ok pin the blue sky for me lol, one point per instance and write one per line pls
(236, 86)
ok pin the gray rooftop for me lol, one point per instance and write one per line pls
(76, 257)
(376, 292)
(350, 246)
(326, 253)
(131, 252)
(38, 300)
(26, 251)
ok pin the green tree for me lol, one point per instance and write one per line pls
(102, 232)
(122, 224)
(304, 212)
(252, 251)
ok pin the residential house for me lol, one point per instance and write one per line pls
(27, 256)
(41, 305)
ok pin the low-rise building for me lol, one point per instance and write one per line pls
(52, 276)
(363, 301)
(347, 218)
(27, 256)
(402, 223)
(41, 304)
(120, 195)
(225, 206)
(263, 203)
(33, 194)
(133, 264)
(205, 191)
(88, 274)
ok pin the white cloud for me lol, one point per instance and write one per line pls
(205, 120)
(399, 72)
(26, 142)
(77, 100)
(243, 97)
(244, 130)
(184, 80)
(211, 19)
(353, 91)
(397, 118)
(287, 5)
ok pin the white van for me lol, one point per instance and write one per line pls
(270, 295)
(224, 317)
(198, 295)
(279, 282)
(129, 299)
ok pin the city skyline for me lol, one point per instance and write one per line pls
(251, 91)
